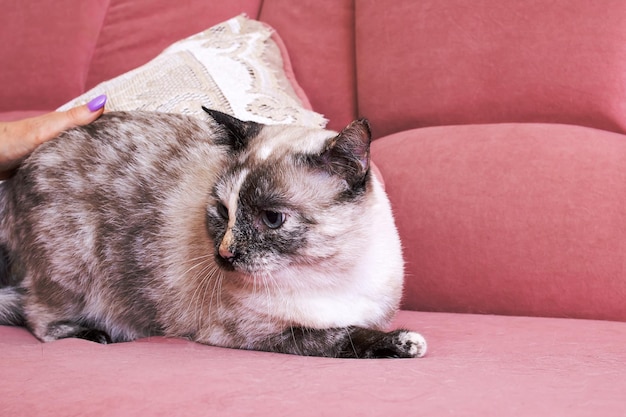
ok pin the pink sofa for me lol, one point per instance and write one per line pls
(501, 135)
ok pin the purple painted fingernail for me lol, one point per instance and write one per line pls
(97, 103)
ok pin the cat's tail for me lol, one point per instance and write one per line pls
(11, 310)
(11, 307)
(11, 313)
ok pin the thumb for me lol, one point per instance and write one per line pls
(82, 115)
(57, 122)
(20, 138)
(50, 125)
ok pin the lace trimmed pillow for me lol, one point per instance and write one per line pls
(238, 67)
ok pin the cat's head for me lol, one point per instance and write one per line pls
(291, 197)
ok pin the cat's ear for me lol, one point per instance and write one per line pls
(239, 132)
(348, 153)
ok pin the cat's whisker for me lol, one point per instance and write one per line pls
(204, 262)
(278, 289)
(347, 330)
(199, 258)
(268, 294)
(295, 341)
(274, 293)
(208, 272)
(217, 277)
(198, 294)
(194, 304)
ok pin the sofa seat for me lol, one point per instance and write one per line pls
(477, 365)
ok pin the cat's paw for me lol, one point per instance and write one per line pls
(412, 343)
(94, 335)
(398, 344)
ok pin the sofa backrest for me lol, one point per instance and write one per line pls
(46, 51)
(403, 64)
(433, 62)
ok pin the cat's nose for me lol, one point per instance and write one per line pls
(225, 250)
(226, 253)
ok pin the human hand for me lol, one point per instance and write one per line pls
(18, 139)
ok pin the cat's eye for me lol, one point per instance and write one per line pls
(273, 219)
(222, 211)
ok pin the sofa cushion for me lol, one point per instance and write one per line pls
(46, 51)
(320, 37)
(135, 31)
(522, 219)
(59, 49)
(437, 62)
(235, 67)
(476, 366)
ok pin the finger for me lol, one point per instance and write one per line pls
(50, 125)
(19, 138)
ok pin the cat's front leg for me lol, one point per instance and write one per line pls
(349, 342)
(66, 329)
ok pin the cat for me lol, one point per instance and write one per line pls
(229, 233)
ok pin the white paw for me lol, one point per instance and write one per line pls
(414, 343)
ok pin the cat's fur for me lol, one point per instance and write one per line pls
(226, 232)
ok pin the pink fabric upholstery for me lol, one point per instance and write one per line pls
(477, 366)
(323, 63)
(524, 219)
(46, 51)
(438, 62)
(498, 213)
(58, 50)
(136, 31)
(288, 70)
(20, 114)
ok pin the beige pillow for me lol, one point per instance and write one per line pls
(238, 67)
